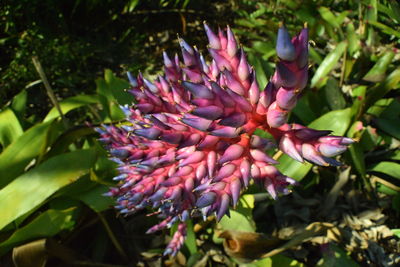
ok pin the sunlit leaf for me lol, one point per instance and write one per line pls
(328, 64)
(17, 155)
(378, 72)
(31, 189)
(387, 167)
(10, 128)
(71, 103)
(47, 224)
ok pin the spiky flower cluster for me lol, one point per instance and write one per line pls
(190, 148)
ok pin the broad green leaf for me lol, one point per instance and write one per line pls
(352, 39)
(328, 64)
(117, 87)
(387, 167)
(190, 241)
(378, 72)
(10, 128)
(334, 95)
(390, 126)
(328, 16)
(95, 200)
(293, 168)
(17, 155)
(18, 104)
(241, 218)
(376, 93)
(396, 232)
(384, 28)
(31, 189)
(337, 121)
(71, 103)
(47, 224)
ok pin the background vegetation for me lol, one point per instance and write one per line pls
(53, 171)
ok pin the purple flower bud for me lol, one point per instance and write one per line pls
(261, 143)
(223, 95)
(149, 133)
(245, 171)
(302, 48)
(311, 154)
(276, 117)
(228, 132)
(132, 80)
(183, 171)
(284, 76)
(206, 199)
(224, 172)
(261, 156)
(233, 152)
(287, 146)
(243, 68)
(145, 107)
(201, 172)
(167, 61)
(198, 123)
(198, 90)
(193, 139)
(284, 47)
(235, 187)
(150, 86)
(208, 141)
(232, 83)
(240, 101)
(212, 38)
(210, 112)
(211, 162)
(231, 47)
(329, 150)
(223, 206)
(286, 99)
(221, 62)
(196, 157)
(235, 120)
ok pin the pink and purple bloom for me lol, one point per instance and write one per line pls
(188, 147)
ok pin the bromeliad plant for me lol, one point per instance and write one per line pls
(189, 146)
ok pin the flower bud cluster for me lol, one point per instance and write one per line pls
(188, 146)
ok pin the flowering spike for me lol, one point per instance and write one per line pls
(188, 146)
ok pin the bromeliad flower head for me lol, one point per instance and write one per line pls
(189, 147)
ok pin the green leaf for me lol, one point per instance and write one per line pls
(328, 16)
(275, 261)
(47, 224)
(71, 103)
(10, 128)
(334, 95)
(117, 87)
(390, 126)
(384, 28)
(95, 200)
(241, 219)
(328, 64)
(378, 72)
(376, 93)
(396, 232)
(18, 104)
(352, 39)
(17, 155)
(387, 167)
(190, 241)
(337, 121)
(31, 189)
